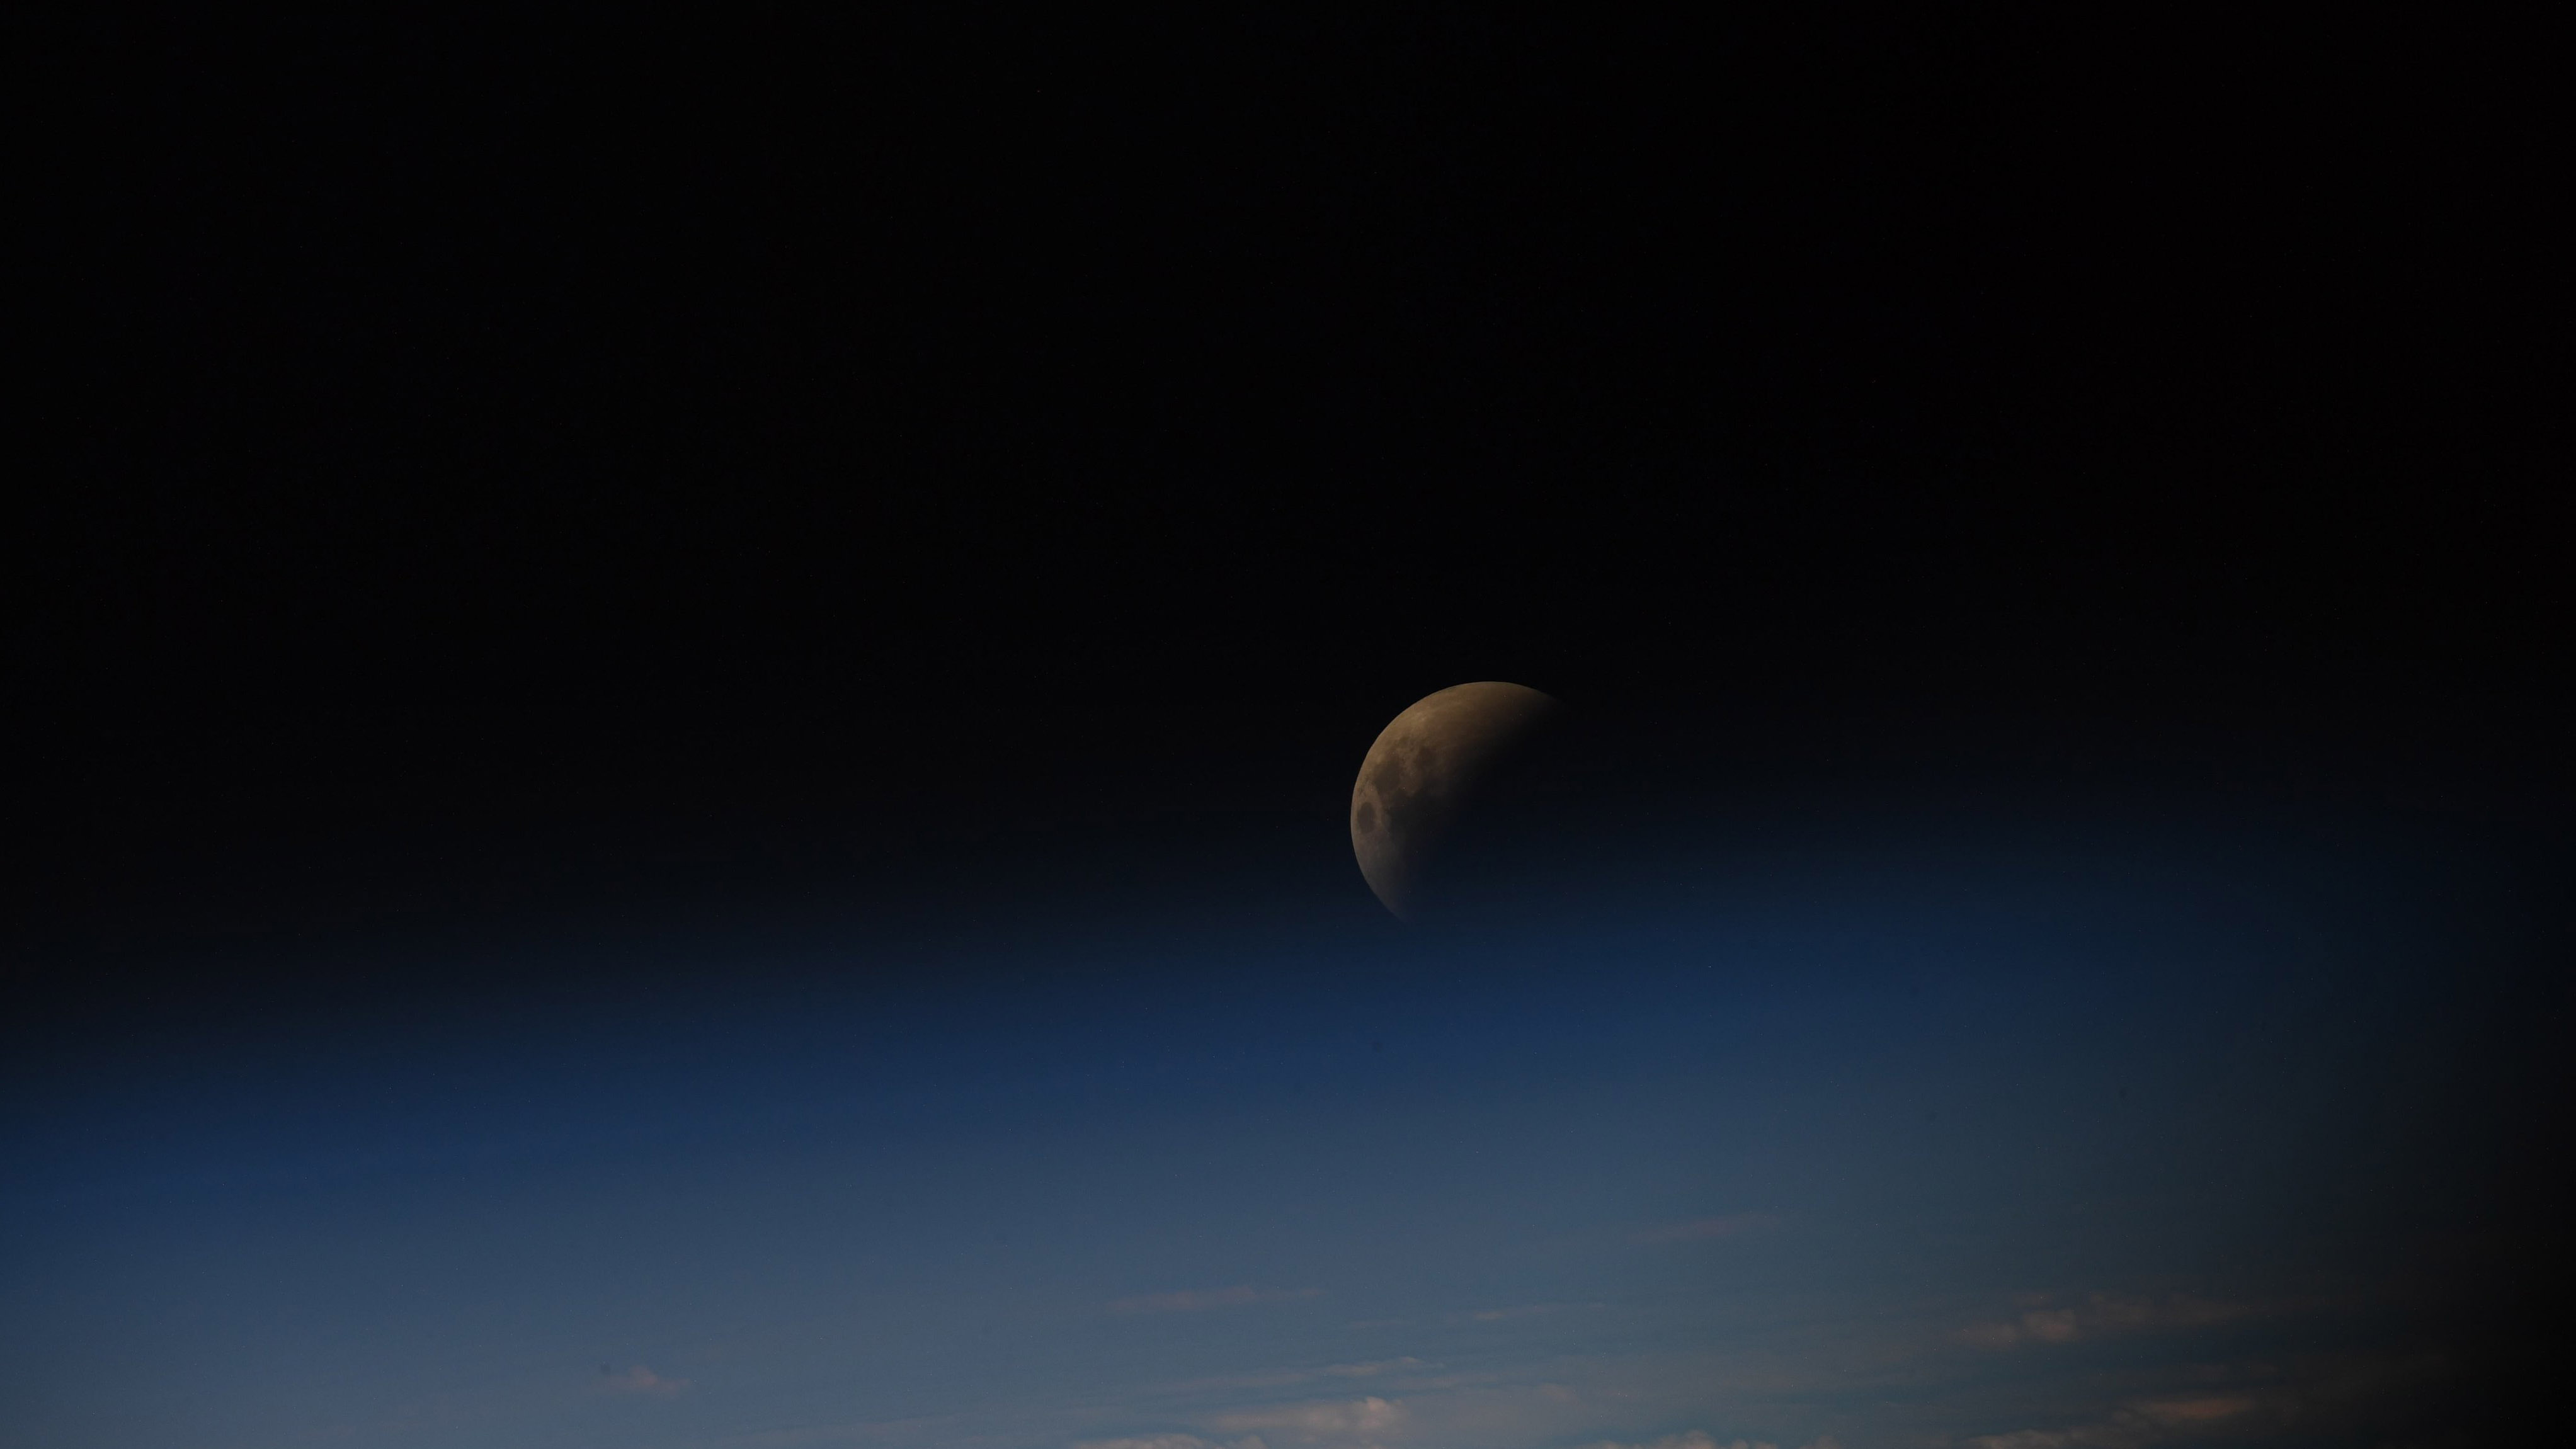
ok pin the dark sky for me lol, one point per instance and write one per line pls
(546, 503)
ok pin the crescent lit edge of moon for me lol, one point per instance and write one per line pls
(1419, 771)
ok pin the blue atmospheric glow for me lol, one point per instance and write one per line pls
(1908, 1134)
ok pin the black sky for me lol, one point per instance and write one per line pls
(526, 470)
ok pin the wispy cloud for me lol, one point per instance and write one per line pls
(2103, 1314)
(1371, 1368)
(1517, 1310)
(641, 1380)
(1170, 1441)
(1707, 1230)
(1353, 1421)
(1288, 1377)
(1456, 1413)
(1702, 1439)
(2136, 1425)
(1189, 1300)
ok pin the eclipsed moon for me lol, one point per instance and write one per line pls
(1424, 769)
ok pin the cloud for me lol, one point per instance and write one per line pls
(1707, 1230)
(1522, 1310)
(2136, 1425)
(2186, 1413)
(1371, 1368)
(1170, 1441)
(2104, 1314)
(1193, 1300)
(1356, 1422)
(1702, 1439)
(1467, 1416)
(641, 1380)
(1284, 1378)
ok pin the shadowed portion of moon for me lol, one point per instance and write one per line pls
(1425, 769)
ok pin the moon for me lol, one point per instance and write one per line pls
(1424, 768)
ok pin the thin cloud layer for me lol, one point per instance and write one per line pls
(1196, 1300)
(1891, 1381)
(1356, 1422)
(1707, 1230)
(2103, 1314)
(1290, 1377)
(1466, 1412)
(643, 1381)
(2137, 1425)
(1702, 1439)
(1521, 1310)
